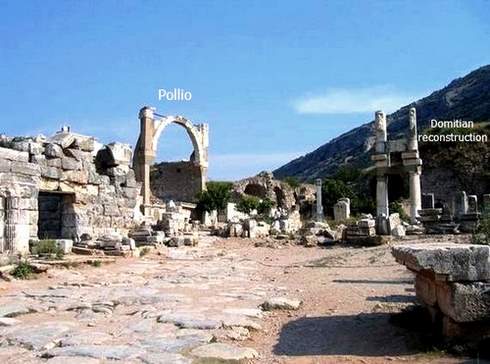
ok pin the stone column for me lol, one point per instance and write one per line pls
(415, 196)
(382, 196)
(381, 135)
(2, 223)
(472, 204)
(319, 207)
(147, 154)
(460, 204)
(413, 144)
(10, 224)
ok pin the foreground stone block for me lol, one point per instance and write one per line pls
(281, 303)
(447, 262)
(66, 245)
(220, 351)
(465, 302)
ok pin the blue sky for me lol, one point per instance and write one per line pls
(274, 79)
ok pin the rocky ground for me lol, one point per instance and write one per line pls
(187, 304)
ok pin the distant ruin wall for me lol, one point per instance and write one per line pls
(178, 181)
(102, 188)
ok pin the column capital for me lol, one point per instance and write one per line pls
(146, 112)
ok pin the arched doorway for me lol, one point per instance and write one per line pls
(182, 180)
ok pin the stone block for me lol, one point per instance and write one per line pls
(70, 164)
(393, 222)
(461, 203)
(446, 261)
(50, 172)
(38, 159)
(121, 154)
(65, 245)
(28, 203)
(78, 154)
(111, 210)
(367, 223)
(21, 145)
(427, 201)
(464, 302)
(399, 231)
(5, 165)
(80, 177)
(341, 210)
(52, 150)
(36, 148)
(87, 144)
(472, 204)
(63, 139)
(426, 290)
(14, 155)
(54, 162)
(49, 185)
(29, 169)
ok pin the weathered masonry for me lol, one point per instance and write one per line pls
(63, 187)
(180, 181)
(397, 157)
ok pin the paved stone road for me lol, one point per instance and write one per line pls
(152, 310)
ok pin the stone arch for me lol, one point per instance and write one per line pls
(255, 189)
(152, 126)
(191, 130)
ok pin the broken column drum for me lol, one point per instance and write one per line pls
(397, 157)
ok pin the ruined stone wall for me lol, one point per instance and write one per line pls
(178, 181)
(102, 188)
(283, 195)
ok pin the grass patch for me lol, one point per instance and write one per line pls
(95, 263)
(23, 270)
(482, 235)
(144, 251)
(47, 248)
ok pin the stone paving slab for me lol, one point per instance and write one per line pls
(145, 312)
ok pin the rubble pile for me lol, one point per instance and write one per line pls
(361, 230)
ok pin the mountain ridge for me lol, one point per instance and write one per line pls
(466, 97)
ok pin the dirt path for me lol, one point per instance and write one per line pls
(159, 309)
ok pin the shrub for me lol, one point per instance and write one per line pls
(144, 251)
(47, 247)
(247, 204)
(215, 197)
(293, 182)
(23, 270)
(396, 207)
(482, 235)
(265, 206)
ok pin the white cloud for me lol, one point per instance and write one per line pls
(348, 101)
(241, 165)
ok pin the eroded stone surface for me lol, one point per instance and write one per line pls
(143, 311)
(448, 261)
(281, 303)
(224, 352)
